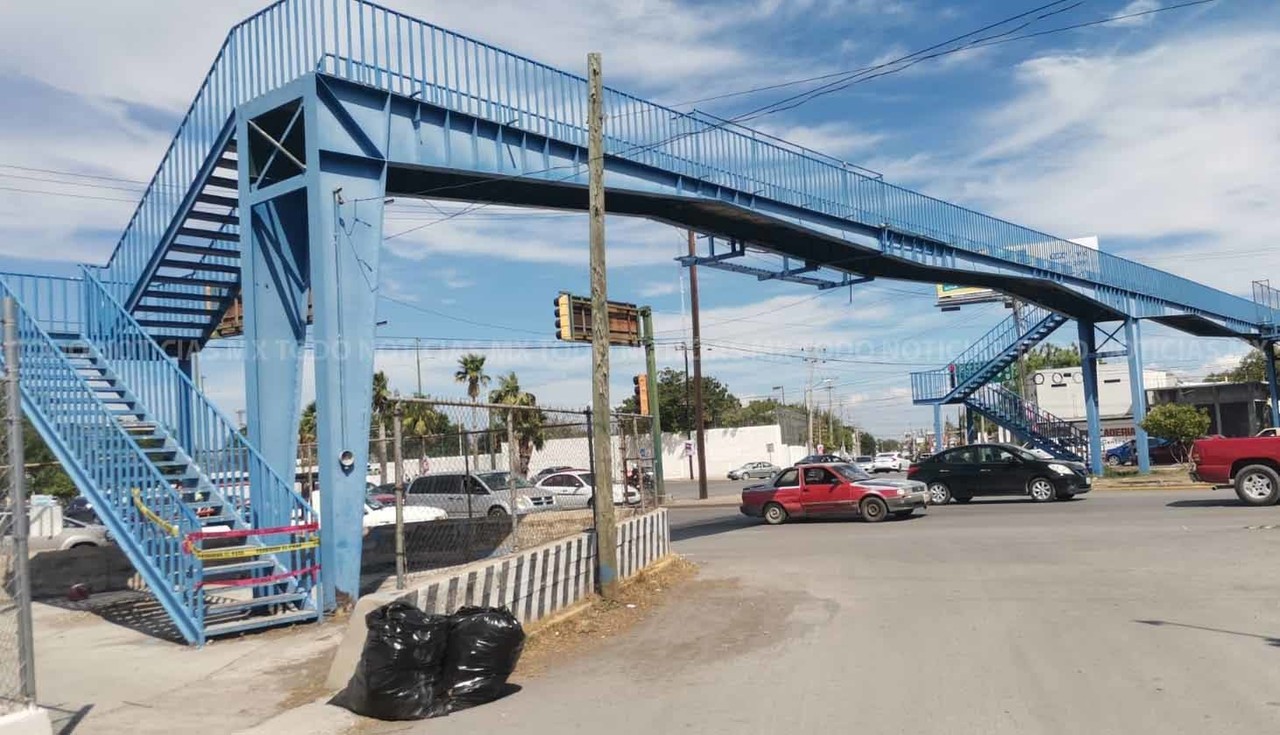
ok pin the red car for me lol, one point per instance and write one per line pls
(832, 488)
(1251, 464)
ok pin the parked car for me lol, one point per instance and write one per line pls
(820, 459)
(865, 462)
(835, 488)
(381, 494)
(754, 469)
(577, 489)
(1248, 463)
(888, 462)
(75, 535)
(464, 495)
(1269, 431)
(79, 508)
(964, 473)
(547, 471)
(378, 514)
(1161, 451)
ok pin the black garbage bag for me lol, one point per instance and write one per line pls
(484, 646)
(399, 676)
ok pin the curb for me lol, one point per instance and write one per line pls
(729, 502)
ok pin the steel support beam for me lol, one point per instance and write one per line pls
(1089, 370)
(1142, 449)
(938, 444)
(1269, 364)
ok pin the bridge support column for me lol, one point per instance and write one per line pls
(970, 430)
(1089, 370)
(186, 364)
(938, 441)
(1133, 340)
(1269, 364)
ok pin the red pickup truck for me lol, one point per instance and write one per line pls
(1251, 464)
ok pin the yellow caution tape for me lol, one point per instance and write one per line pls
(171, 529)
(243, 551)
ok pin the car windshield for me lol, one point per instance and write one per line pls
(851, 472)
(588, 478)
(864, 459)
(1020, 452)
(372, 504)
(503, 481)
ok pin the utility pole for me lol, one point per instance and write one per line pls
(655, 414)
(398, 450)
(699, 423)
(808, 391)
(688, 422)
(831, 417)
(606, 531)
(417, 354)
(1022, 377)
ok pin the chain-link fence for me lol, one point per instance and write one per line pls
(483, 479)
(17, 662)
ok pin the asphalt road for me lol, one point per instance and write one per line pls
(1145, 611)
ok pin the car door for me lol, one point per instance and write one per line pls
(818, 492)
(1000, 472)
(958, 468)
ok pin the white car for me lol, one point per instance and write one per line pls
(576, 489)
(866, 463)
(888, 462)
(379, 514)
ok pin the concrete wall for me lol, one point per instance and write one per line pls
(100, 568)
(533, 584)
(1060, 391)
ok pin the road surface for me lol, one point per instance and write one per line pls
(1146, 611)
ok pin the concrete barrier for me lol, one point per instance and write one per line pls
(534, 584)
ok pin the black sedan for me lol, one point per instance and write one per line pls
(964, 473)
(820, 459)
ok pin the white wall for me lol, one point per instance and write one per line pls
(1060, 391)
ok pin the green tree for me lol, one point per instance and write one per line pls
(527, 420)
(1050, 356)
(1250, 369)
(719, 405)
(471, 373)
(44, 471)
(1179, 423)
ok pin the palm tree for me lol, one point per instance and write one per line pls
(471, 371)
(527, 421)
(381, 404)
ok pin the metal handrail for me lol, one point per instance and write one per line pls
(113, 465)
(1003, 402)
(961, 371)
(369, 44)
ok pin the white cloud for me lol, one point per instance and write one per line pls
(659, 288)
(836, 138)
(1136, 6)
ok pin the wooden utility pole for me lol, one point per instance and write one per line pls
(606, 531)
(699, 417)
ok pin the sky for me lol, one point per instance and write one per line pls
(1154, 133)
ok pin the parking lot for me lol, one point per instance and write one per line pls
(1122, 612)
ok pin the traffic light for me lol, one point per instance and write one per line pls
(642, 393)
(564, 318)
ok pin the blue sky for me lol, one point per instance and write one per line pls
(1156, 134)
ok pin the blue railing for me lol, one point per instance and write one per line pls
(54, 301)
(996, 343)
(224, 455)
(373, 45)
(110, 466)
(1023, 417)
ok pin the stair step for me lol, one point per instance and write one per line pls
(216, 218)
(166, 324)
(201, 234)
(218, 520)
(196, 265)
(191, 281)
(203, 250)
(224, 608)
(221, 201)
(155, 293)
(238, 626)
(185, 311)
(242, 567)
(222, 182)
(227, 163)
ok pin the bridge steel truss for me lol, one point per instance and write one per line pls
(332, 106)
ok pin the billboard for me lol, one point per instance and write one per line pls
(1074, 258)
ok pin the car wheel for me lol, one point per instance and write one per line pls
(939, 493)
(591, 502)
(84, 545)
(1258, 484)
(961, 498)
(774, 514)
(1113, 461)
(1040, 490)
(873, 509)
(497, 511)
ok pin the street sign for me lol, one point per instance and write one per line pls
(688, 448)
(769, 448)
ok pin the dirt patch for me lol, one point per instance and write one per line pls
(306, 679)
(600, 621)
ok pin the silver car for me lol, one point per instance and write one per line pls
(74, 535)
(763, 470)
(485, 494)
(576, 489)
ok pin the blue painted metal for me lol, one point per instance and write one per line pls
(939, 441)
(985, 359)
(1089, 370)
(1029, 423)
(1138, 392)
